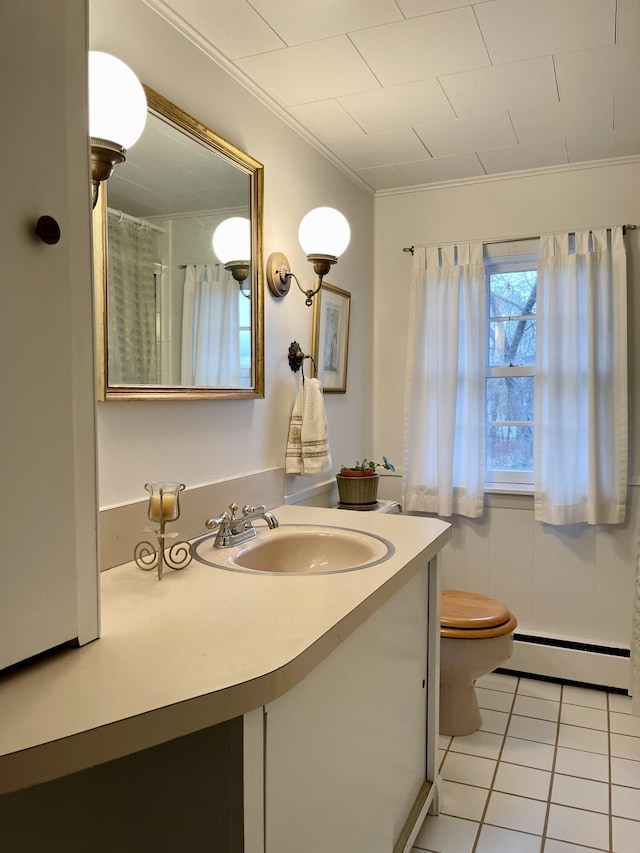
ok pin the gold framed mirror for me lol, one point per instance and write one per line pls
(174, 320)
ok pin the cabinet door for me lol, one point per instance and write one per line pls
(346, 748)
(48, 563)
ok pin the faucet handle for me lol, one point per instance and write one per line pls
(250, 510)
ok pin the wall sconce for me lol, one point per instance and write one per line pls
(232, 245)
(324, 234)
(117, 114)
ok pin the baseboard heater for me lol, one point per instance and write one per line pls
(570, 662)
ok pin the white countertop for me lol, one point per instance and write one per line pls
(198, 647)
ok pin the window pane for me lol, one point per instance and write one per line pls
(509, 448)
(512, 294)
(512, 342)
(510, 398)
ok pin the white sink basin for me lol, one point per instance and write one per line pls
(296, 549)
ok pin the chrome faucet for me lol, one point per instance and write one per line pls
(233, 529)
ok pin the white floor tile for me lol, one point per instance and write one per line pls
(493, 839)
(625, 772)
(541, 709)
(589, 740)
(462, 800)
(524, 781)
(623, 746)
(512, 812)
(444, 742)
(495, 700)
(578, 826)
(584, 696)
(619, 703)
(528, 728)
(625, 835)
(446, 834)
(529, 753)
(493, 721)
(485, 744)
(539, 689)
(625, 802)
(588, 718)
(584, 765)
(581, 793)
(624, 724)
(497, 681)
(551, 846)
(469, 769)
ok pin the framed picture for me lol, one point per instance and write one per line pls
(331, 307)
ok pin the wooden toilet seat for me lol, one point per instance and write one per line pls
(468, 615)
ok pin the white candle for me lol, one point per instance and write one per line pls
(163, 506)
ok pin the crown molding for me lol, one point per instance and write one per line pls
(510, 176)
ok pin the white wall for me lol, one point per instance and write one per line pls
(202, 441)
(573, 582)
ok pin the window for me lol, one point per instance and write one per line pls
(244, 314)
(510, 369)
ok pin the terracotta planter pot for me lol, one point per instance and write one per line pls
(357, 488)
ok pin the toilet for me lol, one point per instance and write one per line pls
(476, 636)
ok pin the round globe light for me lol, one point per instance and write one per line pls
(324, 231)
(117, 102)
(232, 239)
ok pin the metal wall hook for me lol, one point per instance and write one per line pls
(296, 358)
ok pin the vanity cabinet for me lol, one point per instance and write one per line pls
(48, 505)
(346, 749)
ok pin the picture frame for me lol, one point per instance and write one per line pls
(331, 310)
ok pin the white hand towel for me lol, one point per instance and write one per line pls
(308, 444)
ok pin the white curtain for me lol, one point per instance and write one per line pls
(444, 430)
(581, 379)
(131, 309)
(210, 328)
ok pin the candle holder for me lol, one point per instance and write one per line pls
(164, 506)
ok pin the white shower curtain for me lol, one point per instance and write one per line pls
(131, 307)
(581, 379)
(444, 430)
(210, 328)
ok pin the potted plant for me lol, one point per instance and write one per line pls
(358, 484)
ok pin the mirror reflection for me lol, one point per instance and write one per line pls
(180, 316)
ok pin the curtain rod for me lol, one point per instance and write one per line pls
(143, 223)
(411, 249)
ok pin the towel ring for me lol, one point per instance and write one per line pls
(296, 358)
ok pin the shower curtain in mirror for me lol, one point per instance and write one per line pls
(635, 644)
(210, 328)
(131, 307)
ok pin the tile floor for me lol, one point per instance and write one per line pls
(553, 769)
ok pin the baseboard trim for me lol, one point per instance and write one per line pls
(570, 662)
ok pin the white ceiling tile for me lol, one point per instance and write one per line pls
(235, 28)
(518, 158)
(530, 83)
(423, 47)
(443, 169)
(571, 118)
(603, 146)
(312, 72)
(384, 177)
(520, 29)
(628, 20)
(326, 120)
(380, 149)
(399, 106)
(297, 22)
(415, 8)
(467, 134)
(626, 115)
(591, 71)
